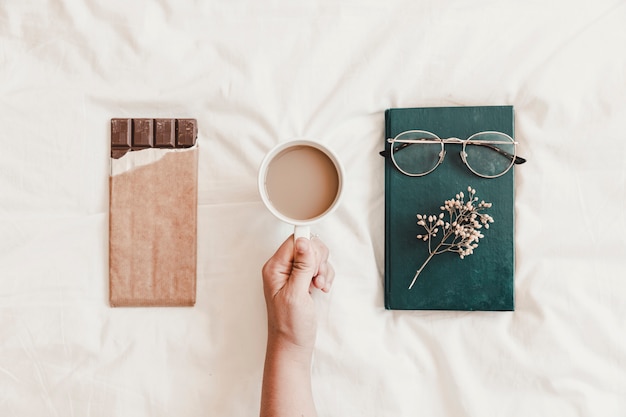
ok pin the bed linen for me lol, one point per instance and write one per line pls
(254, 74)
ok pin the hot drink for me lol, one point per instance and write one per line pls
(302, 182)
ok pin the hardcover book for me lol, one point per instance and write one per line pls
(448, 281)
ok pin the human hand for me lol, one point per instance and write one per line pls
(289, 277)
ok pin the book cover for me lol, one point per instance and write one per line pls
(482, 281)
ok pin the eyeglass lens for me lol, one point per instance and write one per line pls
(489, 154)
(416, 158)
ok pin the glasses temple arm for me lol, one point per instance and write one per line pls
(386, 153)
(516, 159)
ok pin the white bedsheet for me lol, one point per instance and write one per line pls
(255, 73)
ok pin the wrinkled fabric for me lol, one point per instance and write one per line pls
(258, 73)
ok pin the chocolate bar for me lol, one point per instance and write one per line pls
(153, 212)
(136, 134)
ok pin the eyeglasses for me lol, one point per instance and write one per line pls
(487, 154)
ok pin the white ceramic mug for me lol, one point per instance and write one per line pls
(300, 182)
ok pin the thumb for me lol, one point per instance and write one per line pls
(303, 265)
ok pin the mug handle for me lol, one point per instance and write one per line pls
(301, 231)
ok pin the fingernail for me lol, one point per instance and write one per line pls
(320, 282)
(302, 245)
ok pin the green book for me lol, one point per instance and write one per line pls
(483, 280)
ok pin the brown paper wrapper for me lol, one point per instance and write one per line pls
(153, 232)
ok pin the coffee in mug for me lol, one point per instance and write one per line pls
(300, 182)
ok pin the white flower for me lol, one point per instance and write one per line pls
(461, 230)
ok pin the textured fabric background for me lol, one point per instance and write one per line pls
(256, 73)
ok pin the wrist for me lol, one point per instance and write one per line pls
(279, 345)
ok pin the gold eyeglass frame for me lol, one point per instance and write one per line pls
(431, 138)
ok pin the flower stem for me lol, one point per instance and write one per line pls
(420, 270)
(432, 253)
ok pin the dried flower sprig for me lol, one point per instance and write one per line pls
(460, 231)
